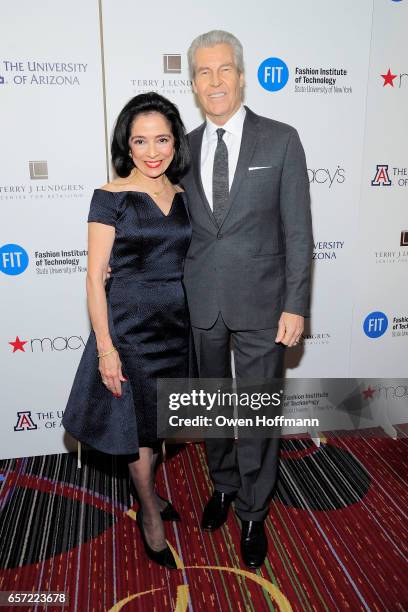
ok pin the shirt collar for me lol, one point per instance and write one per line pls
(234, 125)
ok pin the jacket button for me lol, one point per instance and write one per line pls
(219, 236)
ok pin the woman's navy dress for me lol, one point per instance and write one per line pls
(148, 322)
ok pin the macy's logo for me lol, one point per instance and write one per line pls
(59, 343)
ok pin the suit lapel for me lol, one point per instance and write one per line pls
(195, 142)
(248, 142)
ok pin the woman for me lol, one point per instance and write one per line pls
(139, 226)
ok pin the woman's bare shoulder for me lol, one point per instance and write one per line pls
(114, 186)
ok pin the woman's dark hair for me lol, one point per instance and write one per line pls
(148, 103)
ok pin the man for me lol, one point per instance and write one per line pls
(247, 271)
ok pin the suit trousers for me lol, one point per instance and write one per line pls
(247, 466)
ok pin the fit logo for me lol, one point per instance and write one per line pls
(273, 74)
(375, 324)
(13, 259)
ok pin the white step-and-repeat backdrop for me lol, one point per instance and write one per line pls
(336, 71)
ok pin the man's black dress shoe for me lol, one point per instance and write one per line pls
(216, 510)
(164, 556)
(254, 545)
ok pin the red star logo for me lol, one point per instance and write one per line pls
(388, 78)
(368, 393)
(18, 345)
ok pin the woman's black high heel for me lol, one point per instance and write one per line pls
(163, 557)
(169, 513)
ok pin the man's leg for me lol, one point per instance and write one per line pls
(257, 358)
(214, 361)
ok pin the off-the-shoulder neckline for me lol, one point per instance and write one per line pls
(132, 191)
(149, 196)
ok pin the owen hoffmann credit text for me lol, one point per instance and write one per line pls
(218, 399)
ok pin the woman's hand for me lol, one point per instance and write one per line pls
(100, 241)
(110, 368)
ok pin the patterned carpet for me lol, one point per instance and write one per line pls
(337, 531)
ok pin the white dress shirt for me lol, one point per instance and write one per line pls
(232, 138)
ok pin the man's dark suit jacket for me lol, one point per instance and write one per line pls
(257, 263)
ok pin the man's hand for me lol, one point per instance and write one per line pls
(290, 329)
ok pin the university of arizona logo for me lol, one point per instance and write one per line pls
(24, 421)
(381, 178)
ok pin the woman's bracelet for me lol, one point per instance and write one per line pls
(107, 353)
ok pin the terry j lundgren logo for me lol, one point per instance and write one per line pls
(172, 63)
(394, 256)
(38, 170)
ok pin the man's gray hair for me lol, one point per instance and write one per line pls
(210, 39)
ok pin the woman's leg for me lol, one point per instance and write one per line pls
(142, 473)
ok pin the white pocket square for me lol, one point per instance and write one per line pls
(259, 167)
